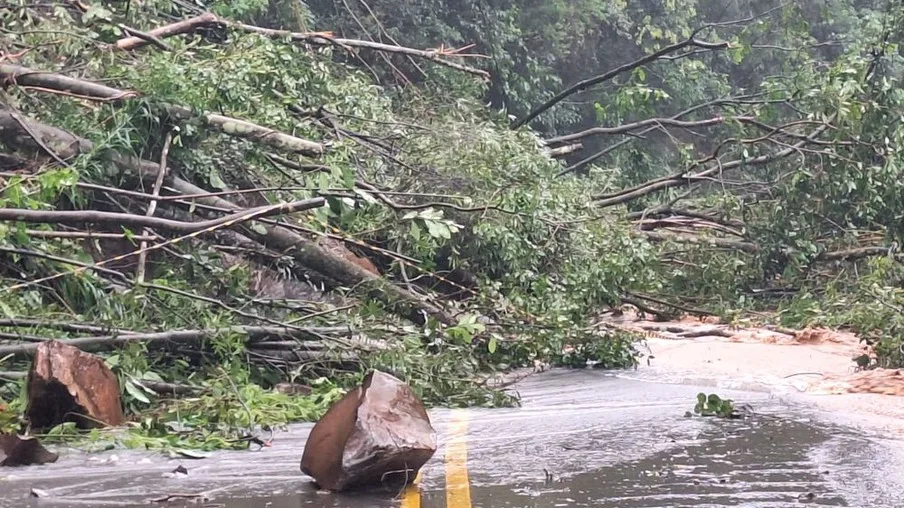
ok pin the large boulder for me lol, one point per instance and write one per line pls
(18, 450)
(379, 433)
(66, 384)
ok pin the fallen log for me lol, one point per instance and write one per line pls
(15, 131)
(178, 28)
(313, 38)
(52, 82)
(106, 342)
(128, 219)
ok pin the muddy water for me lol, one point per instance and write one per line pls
(582, 438)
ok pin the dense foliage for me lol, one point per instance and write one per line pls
(768, 180)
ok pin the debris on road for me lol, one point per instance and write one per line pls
(67, 384)
(378, 433)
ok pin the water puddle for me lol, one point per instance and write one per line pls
(764, 464)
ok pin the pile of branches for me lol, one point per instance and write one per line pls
(677, 208)
(168, 211)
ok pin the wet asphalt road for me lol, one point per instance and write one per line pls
(581, 438)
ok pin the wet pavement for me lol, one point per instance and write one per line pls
(581, 438)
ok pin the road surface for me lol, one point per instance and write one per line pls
(581, 438)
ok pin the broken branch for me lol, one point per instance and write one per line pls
(52, 82)
(682, 179)
(252, 333)
(587, 83)
(127, 219)
(658, 122)
(305, 252)
(178, 28)
(315, 38)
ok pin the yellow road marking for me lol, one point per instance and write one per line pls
(412, 496)
(458, 488)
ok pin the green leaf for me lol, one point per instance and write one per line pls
(258, 228)
(215, 181)
(191, 454)
(491, 345)
(136, 392)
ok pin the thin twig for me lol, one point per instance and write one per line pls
(152, 207)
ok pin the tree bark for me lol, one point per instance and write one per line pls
(178, 28)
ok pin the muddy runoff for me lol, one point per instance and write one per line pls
(580, 438)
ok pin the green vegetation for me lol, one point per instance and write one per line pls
(713, 405)
(754, 166)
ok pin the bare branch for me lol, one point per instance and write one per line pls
(127, 219)
(23, 76)
(52, 82)
(682, 179)
(178, 28)
(62, 326)
(252, 333)
(587, 83)
(325, 39)
(658, 122)
(89, 235)
(152, 207)
(859, 253)
(314, 38)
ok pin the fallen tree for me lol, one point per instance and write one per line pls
(313, 38)
(57, 83)
(16, 132)
(251, 334)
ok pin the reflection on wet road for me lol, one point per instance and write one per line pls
(581, 438)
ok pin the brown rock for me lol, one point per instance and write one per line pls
(67, 384)
(379, 432)
(23, 451)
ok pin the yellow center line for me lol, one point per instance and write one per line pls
(412, 496)
(458, 487)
